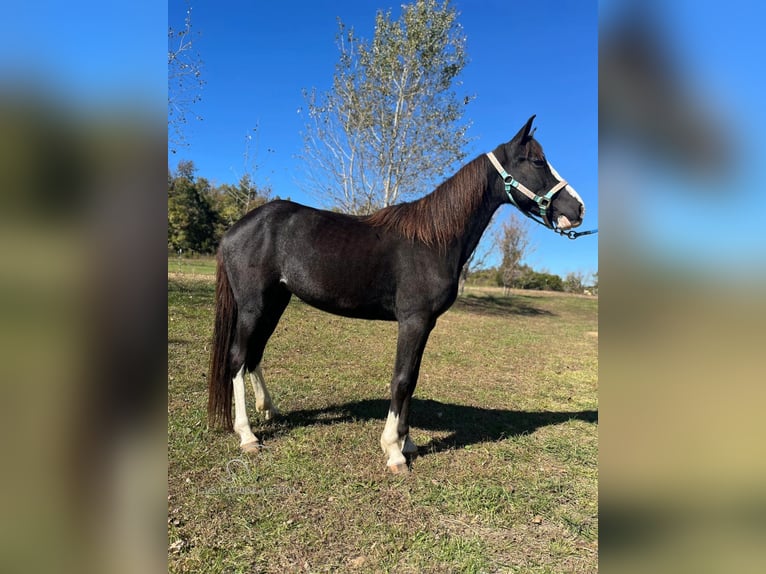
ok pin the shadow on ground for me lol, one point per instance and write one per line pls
(490, 305)
(468, 425)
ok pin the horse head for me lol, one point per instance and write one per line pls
(535, 187)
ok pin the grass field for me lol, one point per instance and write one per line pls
(505, 417)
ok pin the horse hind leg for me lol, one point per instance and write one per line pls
(256, 322)
(263, 402)
(273, 303)
(248, 441)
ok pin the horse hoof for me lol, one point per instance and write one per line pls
(409, 448)
(399, 468)
(251, 447)
(271, 414)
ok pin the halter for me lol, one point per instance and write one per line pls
(543, 201)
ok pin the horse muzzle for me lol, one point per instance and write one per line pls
(563, 223)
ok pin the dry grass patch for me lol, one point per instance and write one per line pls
(505, 418)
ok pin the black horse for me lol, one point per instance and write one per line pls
(401, 263)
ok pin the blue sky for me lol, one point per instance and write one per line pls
(99, 54)
(525, 58)
(687, 221)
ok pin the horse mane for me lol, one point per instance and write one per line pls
(442, 215)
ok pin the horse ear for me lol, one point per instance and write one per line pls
(524, 133)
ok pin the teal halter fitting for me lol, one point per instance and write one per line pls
(543, 201)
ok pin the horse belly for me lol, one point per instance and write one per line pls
(339, 283)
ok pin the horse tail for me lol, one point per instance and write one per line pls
(220, 386)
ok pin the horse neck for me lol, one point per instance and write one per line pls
(475, 227)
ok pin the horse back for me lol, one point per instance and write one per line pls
(332, 261)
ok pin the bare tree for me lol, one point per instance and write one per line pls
(233, 201)
(478, 258)
(247, 194)
(184, 80)
(574, 282)
(513, 240)
(392, 123)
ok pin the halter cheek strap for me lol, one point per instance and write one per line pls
(542, 201)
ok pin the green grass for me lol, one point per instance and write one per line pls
(505, 418)
(204, 265)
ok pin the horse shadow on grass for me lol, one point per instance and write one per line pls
(498, 306)
(467, 424)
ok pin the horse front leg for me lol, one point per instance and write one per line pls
(395, 440)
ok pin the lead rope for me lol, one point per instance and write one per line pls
(575, 234)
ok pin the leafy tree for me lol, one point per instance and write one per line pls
(192, 218)
(540, 281)
(391, 125)
(186, 169)
(234, 201)
(483, 276)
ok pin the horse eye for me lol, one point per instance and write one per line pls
(539, 162)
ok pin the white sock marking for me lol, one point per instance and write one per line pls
(241, 424)
(262, 397)
(389, 441)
